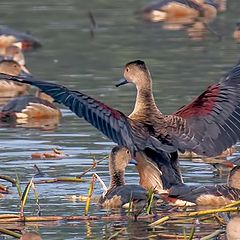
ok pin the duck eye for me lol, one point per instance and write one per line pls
(127, 69)
(127, 151)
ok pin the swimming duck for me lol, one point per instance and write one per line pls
(15, 53)
(31, 112)
(5, 42)
(207, 126)
(118, 193)
(180, 11)
(236, 34)
(209, 195)
(26, 40)
(10, 88)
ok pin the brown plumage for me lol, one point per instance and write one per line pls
(233, 228)
(157, 170)
(15, 53)
(236, 33)
(207, 126)
(31, 236)
(10, 88)
(209, 195)
(28, 111)
(23, 39)
(179, 11)
(118, 193)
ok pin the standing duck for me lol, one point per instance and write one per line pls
(209, 195)
(118, 193)
(207, 126)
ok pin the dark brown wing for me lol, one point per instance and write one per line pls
(211, 122)
(114, 124)
(192, 193)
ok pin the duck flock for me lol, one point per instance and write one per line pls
(207, 126)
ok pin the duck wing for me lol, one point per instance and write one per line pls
(203, 194)
(111, 122)
(211, 122)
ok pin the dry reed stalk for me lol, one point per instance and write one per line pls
(9, 179)
(18, 218)
(94, 165)
(90, 192)
(61, 179)
(10, 233)
(194, 214)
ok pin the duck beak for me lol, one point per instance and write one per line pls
(121, 81)
(24, 72)
(133, 161)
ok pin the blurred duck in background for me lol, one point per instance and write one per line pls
(23, 40)
(180, 11)
(10, 88)
(15, 53)
(192, 15)
(32, 112)
(236, 33)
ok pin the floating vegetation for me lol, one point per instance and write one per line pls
(55, 154)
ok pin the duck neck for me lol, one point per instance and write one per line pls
(144, 101)
(117, 179)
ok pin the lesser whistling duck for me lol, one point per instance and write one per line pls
(180, 11)
(31, 112)
(209, 195)
(10, 88)
(31, 236)
(118, 193)
(236, 33)
(26, 40)
(207, 126)
(233, 228)
(5, 42)
(15, 53)
(39, 106)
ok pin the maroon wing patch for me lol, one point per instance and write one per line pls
(212, 120)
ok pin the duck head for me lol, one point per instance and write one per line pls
(13, 68)
(15, 53)
(118, 160)
(135, 72)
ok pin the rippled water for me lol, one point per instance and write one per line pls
(181, 68)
